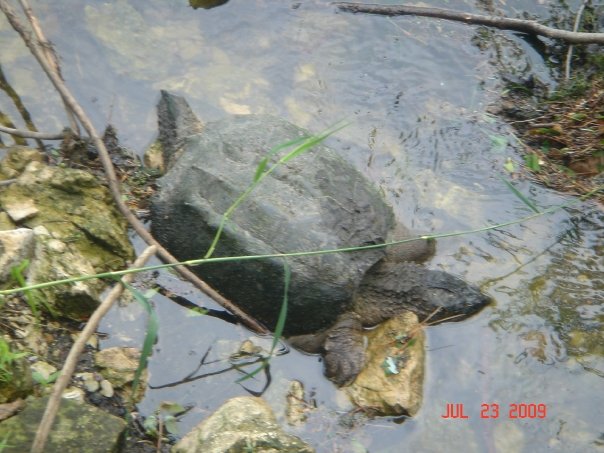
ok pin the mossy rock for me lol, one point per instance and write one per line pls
(78, 427)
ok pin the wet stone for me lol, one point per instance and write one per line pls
(78, 427)
(241, 424)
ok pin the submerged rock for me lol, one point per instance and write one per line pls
(240, 425)
(296, 406)
(118, 366)
(391, 382)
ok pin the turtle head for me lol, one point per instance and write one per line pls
(449, 297)
(389, 288)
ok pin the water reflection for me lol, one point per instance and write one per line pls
(206, 4)
(418, 90)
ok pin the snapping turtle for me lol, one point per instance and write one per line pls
(316, 201)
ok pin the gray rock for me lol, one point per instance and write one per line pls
(240, 425)
(17, 158)
(106, 389)
(78, 229)
(43, 370)
(118, 364)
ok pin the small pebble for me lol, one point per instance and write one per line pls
(106, 388)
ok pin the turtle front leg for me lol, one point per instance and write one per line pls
(344, 350)
(342, 347)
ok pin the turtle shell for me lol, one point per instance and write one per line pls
(316, 201)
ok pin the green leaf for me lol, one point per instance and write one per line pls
(194, 312)
(532, 161)
(150, 425)
(170, 425)
(283, 312)
(546, 131)
(40, 379)
(17, 273)
(509, 166)
(171, 408)
(33, 298)
(578, 116)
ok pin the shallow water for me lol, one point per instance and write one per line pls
(417, 91)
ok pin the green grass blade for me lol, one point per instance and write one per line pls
(280, 324)
(252, 373)
(17, 273)
(519, 194)
(264, 162)
(305, 143)
(199, 262)
(284, 307)
(312, 141)
(150, 334)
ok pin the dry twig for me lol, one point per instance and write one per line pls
(32, 134)
(50, 55)
(504, 23)
(112, 180)
(569, 54)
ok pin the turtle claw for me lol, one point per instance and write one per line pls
(344, 350)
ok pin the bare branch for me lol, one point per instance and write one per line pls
(74, 354)
(50, 55)
(569, 53)
(112, 180)
(12, 94)
(32, 134)
(504, 23)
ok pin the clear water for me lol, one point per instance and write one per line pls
(417, 91)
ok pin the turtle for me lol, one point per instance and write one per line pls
(316, 201)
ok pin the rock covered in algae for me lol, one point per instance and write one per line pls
(78, 427)
(392, 381)
(72, 204)
(77, 227)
